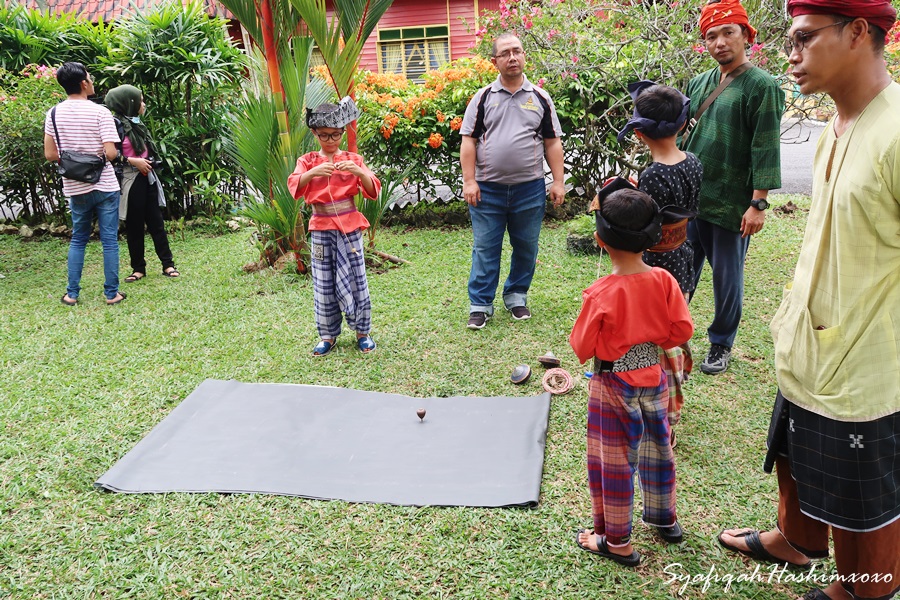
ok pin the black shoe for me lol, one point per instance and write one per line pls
(477, 320)
(672, 534)
(520, 313)
(717, 360)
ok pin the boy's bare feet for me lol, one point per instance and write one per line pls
(589, 539)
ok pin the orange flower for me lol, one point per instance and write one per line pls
(435, 140)
(391, 120)
(440, 117)
(456, 123)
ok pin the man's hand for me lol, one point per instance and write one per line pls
(752, 221)
(557, 193)
(471, 192)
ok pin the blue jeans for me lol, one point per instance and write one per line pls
(84, 206)
(726, 251)
(518, 209)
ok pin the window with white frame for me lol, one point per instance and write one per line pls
(413, 50)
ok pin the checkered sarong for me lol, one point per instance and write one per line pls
(339, 282)
(847, 472)
(672, 363)
(628, 431)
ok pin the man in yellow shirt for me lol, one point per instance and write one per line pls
(835, 432)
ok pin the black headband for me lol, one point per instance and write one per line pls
(649, 127)
(628, 239)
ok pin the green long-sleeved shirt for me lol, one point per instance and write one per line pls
(737, 140)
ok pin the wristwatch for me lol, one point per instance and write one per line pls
(759, 203)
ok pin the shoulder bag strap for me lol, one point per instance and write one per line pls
(719, 89)
(55, 130)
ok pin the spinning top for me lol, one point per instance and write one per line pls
(421, 414)
(520, 374)
(548, 360)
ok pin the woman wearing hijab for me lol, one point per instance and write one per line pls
(142, 193)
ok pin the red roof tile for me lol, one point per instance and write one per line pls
(110, 10)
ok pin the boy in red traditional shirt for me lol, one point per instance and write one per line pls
(329, 180)
(625, 317)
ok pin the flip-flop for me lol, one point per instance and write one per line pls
(135, 276)
(365, 344)
(632, 560)
(66, 302)
(108, 303)
(815, 594)
(757, 551)
(173, 273)
(323, 348)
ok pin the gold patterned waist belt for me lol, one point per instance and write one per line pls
(638, 356)
(334, 209)
(673, 236)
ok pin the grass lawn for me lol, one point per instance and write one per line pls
(79, 387)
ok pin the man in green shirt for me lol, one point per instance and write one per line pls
(737, 140)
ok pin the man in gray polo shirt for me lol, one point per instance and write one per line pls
(509, 127)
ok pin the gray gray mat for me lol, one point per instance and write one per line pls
(338, 443)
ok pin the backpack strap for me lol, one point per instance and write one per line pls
(545, 129)
(479, 129)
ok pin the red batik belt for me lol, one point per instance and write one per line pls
(336, 208)
(673, 236)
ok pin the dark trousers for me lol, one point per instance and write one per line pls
(725, 250)
(871, 553)
(143, 209)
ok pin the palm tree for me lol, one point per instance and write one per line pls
(341, 39)
(271, 132)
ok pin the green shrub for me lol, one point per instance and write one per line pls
(417, 126)
(182, 59)
(28, 183)
(190, 72)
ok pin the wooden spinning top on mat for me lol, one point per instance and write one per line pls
(421, 414)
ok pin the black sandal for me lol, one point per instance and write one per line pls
(632, 560)
(171, 273)
(135, 276)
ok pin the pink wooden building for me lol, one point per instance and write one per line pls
(413, 36)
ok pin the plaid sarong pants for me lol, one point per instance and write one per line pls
(339, 282)
(672, 362)
(628, 431)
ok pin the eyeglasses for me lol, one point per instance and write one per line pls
(517, 52)
(330, 136)
(799, 39)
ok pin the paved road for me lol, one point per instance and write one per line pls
(798, 147)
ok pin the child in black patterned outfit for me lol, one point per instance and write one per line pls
(672, 179)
